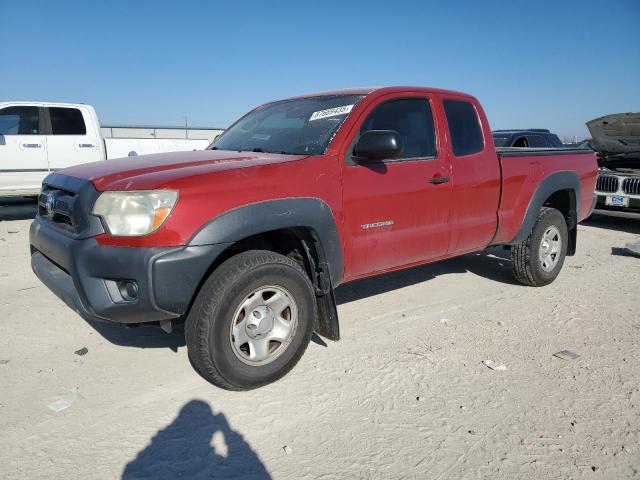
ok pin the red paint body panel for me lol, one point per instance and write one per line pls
(522, 175)
(484, 202)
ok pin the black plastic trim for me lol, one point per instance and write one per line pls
(261, 217)
(82, 273)
(553, 183)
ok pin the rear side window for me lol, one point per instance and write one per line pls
(464, 127)
(67, 121)
(537, 141)
(555, 141)
(20, 121)
(412, 119)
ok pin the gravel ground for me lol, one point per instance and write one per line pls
(404, 394)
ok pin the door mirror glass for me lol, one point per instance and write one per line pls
(378, 145)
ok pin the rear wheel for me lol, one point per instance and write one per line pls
(251, 321)
(537, 260)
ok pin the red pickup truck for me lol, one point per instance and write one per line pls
(248, 239)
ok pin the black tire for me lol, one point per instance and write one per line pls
(207, 328)
(527, 267)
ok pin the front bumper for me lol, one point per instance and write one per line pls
(87, 276)
(634, 203)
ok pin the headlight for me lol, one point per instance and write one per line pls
(131, 214)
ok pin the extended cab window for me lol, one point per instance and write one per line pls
(412, 119)
(67, 121)
(300, 126)
(464, 127)
(20, 121)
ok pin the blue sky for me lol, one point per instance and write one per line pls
(532, 64)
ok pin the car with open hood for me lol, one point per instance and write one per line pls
(616, 138)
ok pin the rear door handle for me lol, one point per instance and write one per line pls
(86, 145)
(32, 145)
(437, 180)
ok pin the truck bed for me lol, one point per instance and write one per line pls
(531, 152)
(522, 171)
(128, 140)
(156, 132)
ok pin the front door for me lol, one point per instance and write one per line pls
(23, 149)
(396, 210)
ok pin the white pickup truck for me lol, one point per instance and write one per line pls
(39, 137)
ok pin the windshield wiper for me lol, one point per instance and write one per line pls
(259, 150)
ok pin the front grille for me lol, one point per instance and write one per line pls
(607, 183)
(631, 186)
(56, 206)
(65, 203)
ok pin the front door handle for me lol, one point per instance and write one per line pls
(437, 180)
(32, 145)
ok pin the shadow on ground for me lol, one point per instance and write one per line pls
(619, 221)
(18, 208)
(141, 336)
(198, 444)
(493, 264)
(151, 335)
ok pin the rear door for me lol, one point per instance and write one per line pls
(396, 210)
(23, 148)
(476, 176)
(71, 140)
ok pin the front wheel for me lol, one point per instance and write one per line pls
(251, 321)
(537, 260)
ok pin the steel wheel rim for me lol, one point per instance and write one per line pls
(263, 325)
(550, 248)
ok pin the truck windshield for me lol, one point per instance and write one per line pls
(302, 126)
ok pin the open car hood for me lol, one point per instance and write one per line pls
(616, 135)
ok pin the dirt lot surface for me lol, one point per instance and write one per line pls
(404, 394)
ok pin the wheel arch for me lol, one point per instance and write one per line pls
(301, 228)
(560, 190)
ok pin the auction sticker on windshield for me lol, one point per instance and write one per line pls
(331, 112)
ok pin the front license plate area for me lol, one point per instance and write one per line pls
(617, 201)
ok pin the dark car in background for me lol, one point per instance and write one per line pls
(527, 138)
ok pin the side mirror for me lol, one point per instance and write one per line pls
(378, 144)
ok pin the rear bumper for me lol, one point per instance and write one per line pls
(89, 277)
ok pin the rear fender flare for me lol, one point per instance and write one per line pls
(551, 184)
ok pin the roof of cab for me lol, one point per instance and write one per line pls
(23, 103)
(379, 90)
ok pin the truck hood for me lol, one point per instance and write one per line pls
(616, 134)
(153, 171)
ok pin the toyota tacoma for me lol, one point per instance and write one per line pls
(247, 240)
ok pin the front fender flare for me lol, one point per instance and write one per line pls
(255, 218)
